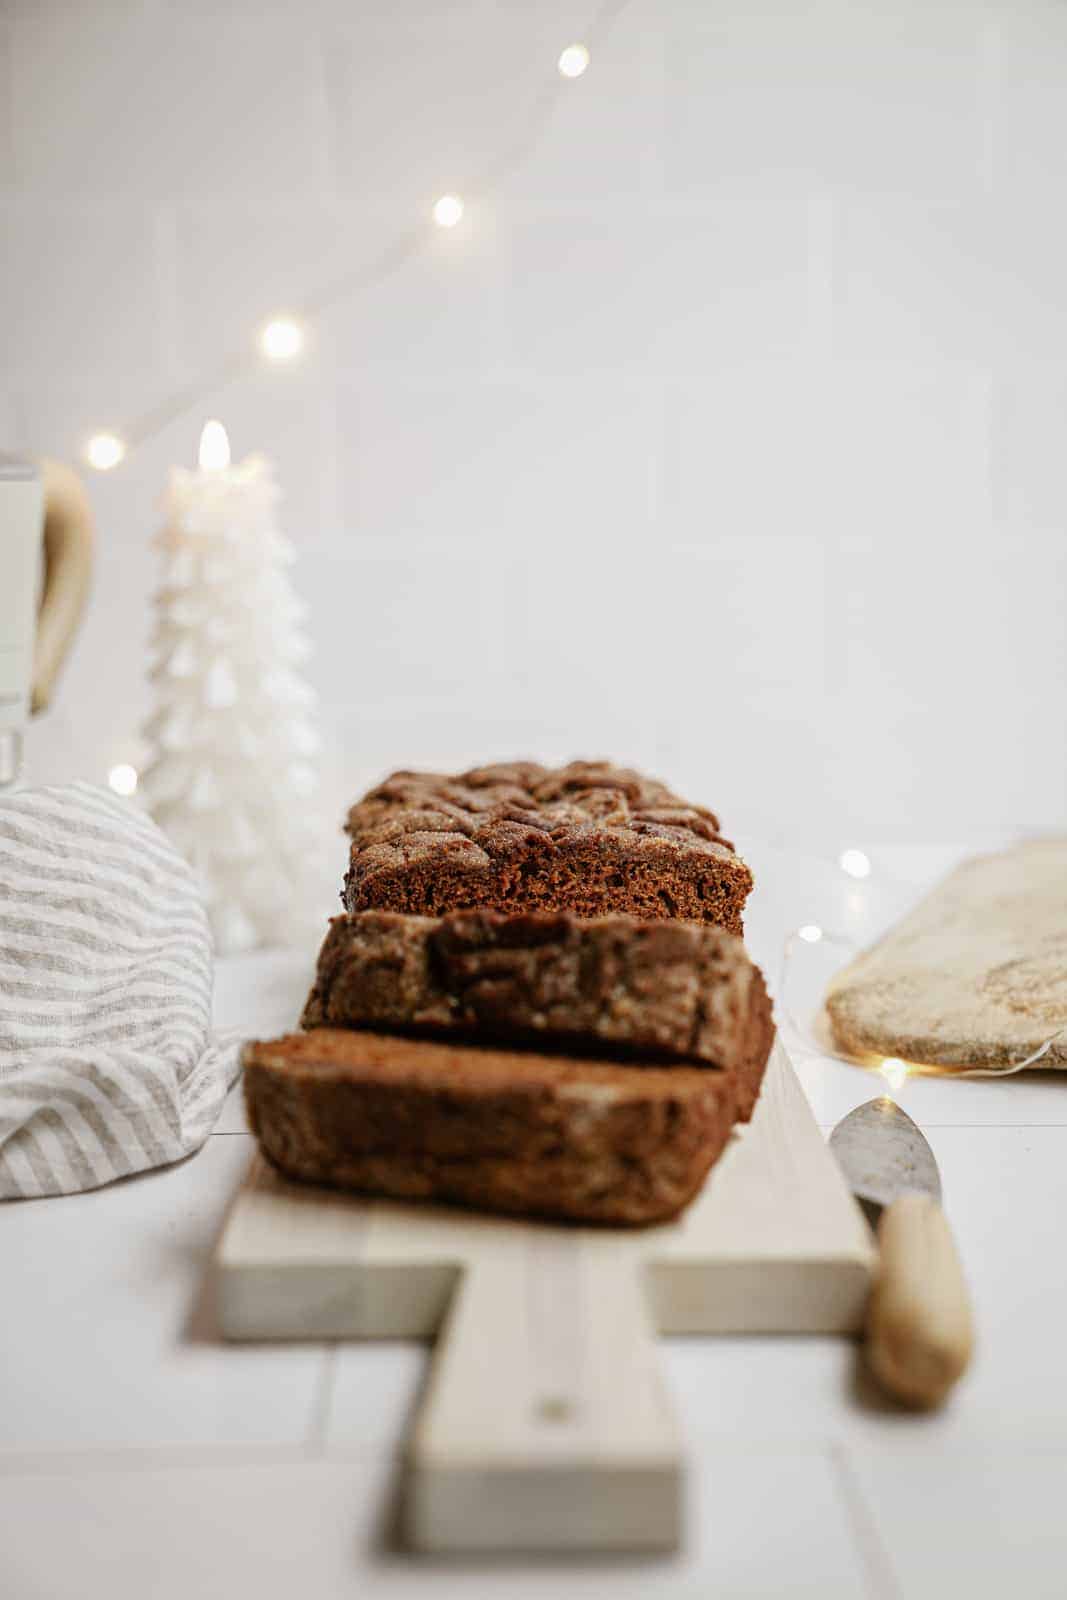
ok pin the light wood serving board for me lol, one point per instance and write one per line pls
(545, 1424)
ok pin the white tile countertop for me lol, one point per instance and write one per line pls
(140, 1457)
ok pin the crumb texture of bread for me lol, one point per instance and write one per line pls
(514, 1132)
(974, 976)
(665, 989)
(589, 838)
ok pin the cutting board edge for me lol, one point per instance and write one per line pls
(453, 1508)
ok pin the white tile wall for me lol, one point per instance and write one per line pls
(725, 434)
(144, 104)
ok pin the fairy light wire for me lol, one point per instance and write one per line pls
(395, 255)
(800, 938)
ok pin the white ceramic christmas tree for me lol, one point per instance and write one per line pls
(232, 778)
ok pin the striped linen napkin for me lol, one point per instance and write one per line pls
(107, 1061)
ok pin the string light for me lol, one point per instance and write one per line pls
(104, 451)
(281, 339)
(123, 779)
(855, 863)
(894, 1071)
(818, 1039)
(448, 210)
(573, 61)
(284, 338)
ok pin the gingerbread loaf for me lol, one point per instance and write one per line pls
(665, 990)
(589, 838)
(518, 1132)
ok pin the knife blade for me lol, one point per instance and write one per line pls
(919, 1327)
(883, 1154)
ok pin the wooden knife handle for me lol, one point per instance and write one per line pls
(919, 1328)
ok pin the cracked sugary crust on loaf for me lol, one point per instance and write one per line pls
(665, 989)
(590, 838)
(530, 1134)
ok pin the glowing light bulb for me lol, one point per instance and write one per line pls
(573, 61)
(123, 779)
(855, 863)
(811, 933)
(104, 451)
(448, 210)
(214, 453)
(281, 339)
(894, 1071)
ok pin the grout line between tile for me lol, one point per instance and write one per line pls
(881, 1579)
(318, 1432)
(127, 1458)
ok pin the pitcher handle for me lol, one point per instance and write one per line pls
(69, 537)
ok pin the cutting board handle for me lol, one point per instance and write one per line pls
(919, 1329)
(545, 1423)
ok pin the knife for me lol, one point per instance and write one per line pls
(919, 1330)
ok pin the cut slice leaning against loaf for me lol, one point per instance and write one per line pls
(510, 1131)
(662, 990)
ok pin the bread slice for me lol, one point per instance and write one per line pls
(665, 989)
(538, 1135)
(589, 838)
(974, 976)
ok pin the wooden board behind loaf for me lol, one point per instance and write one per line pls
(975, 976)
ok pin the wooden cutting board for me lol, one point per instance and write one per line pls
(545, 1424)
